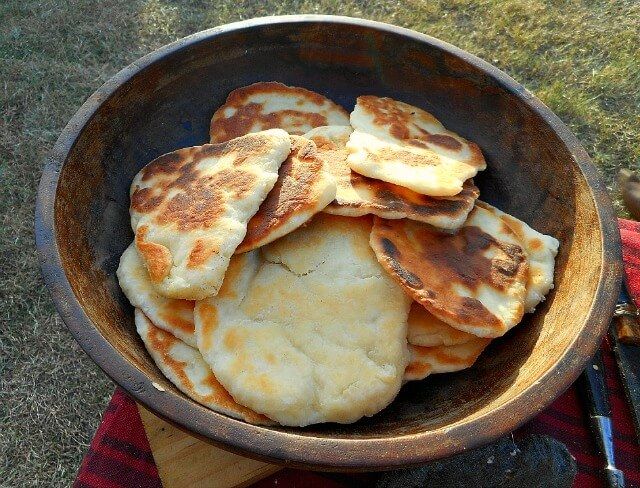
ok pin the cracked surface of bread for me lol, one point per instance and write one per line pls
(271, 105)
(541, 250)
(359, 195)
(184, 367)
(190, 208)
(443, 359)
(407, 146)
(310, 328)
(425, 329)
(474, 280)
(303, 189)
(170, 314)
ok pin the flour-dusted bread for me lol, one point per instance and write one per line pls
(190, 208)
(541, 251)
(271, 105)
(443, 359)
(184, 367)
(172, 315)
(303, 189)
(474, 280)
(359, 195)
(427, 330)
(310, 328)
(405, 145)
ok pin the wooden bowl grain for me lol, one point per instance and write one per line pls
(537, 171)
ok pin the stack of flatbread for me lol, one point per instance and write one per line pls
(305, 264)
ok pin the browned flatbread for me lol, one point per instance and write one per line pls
(407, 146)
(427, 330)
(359, 195)
(302, 190)
(443, 359)
(184, 367)
(271, 105)
(474, 280)
(190, 208)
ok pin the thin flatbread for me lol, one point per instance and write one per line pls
(443, 359)
(359, 195)
(541, 250)
(271, 105)
(407, 146)
(310, 328)
(190, 208)
(474, 280)
(303, 189)
(172, 315)
(184, 367)
(425, 329)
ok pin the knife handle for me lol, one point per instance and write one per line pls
(593, 387)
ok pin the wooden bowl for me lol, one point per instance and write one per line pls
(537, 171)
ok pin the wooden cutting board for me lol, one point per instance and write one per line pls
(184, 461)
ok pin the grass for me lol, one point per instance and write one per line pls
(580, 57)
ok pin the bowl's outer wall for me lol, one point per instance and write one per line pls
(536, 172)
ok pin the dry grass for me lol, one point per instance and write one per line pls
(581, 58)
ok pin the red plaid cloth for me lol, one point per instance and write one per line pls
(120, 455)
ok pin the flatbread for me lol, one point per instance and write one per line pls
(541, 251)
(271, 105)
(443, 359)
(358, 195)
(310, 328)
(407, 146)
(303, 189)
(474, 280)
(425, 329)
(169, 314)
(190, 208)
(184, 367)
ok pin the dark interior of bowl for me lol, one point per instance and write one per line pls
(532, 173)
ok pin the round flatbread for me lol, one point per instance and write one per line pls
(425, 329)
(407, 146)
(541, 251)
(174, 316)
(443, 359)
(310, 328)
(303, 189)
(270, 105)
(190, 208)
(358, 195)
(184, 367)
(474, 280)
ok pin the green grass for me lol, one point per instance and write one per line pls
(580, 58)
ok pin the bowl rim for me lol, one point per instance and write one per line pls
(341, 454)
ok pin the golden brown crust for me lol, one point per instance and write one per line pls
(173, 313)
(162, 342)
(156, 257)
(424, 326)
(430, 264)
(248, 114)
(198, 203)
(209, 316)
(358, 194)
(200, 253)
(387, 112)
(438, 359)
(295, 194)
(399, 118)
(387, 197)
